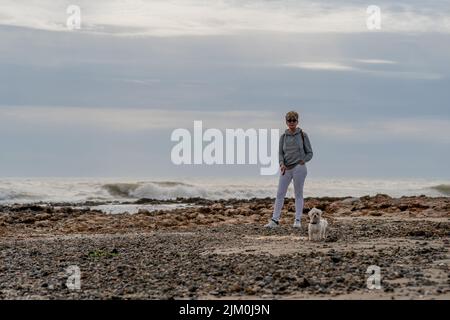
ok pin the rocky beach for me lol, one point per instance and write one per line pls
(219, 249)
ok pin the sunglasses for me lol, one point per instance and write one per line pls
(291, 120)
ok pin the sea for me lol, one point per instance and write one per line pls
(78, 190)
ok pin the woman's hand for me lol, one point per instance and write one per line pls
(283, 169)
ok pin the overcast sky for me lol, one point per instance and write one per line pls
(104, 100)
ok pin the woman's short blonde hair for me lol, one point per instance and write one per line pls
(291, 114)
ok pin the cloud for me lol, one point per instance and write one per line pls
(375, 61)
(414, 128)
(131, 120)
(406, 129)
(139, 120)
(212, 17)
(333, 66)
(330, 66)
(412, 75)
(143, 82)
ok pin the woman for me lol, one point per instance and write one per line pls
(294, 151)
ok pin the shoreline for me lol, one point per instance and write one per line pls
(202, 200)
(219, 249)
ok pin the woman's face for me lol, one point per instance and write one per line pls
(292, 123)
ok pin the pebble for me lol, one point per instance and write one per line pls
(168, 254)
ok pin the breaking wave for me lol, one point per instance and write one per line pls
(155, 190)
(442, 188)
(109, 189)
(6, 194)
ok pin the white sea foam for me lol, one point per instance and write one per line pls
(22, 190)
(134, 208)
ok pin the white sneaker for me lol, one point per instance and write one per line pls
(297, 224)
(271, 224)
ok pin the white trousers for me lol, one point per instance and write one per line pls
(298, 174)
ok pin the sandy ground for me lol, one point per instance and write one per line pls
(230, 258)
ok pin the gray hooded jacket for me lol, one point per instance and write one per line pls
(291, 149)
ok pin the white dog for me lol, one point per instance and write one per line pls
(317, 226)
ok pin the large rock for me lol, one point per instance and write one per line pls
(266, 212)
(351, 201)
(204, 210)
(217, 206)
(343, 212)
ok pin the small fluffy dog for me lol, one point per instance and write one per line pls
(317, 226)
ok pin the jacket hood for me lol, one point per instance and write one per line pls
(297, 131)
